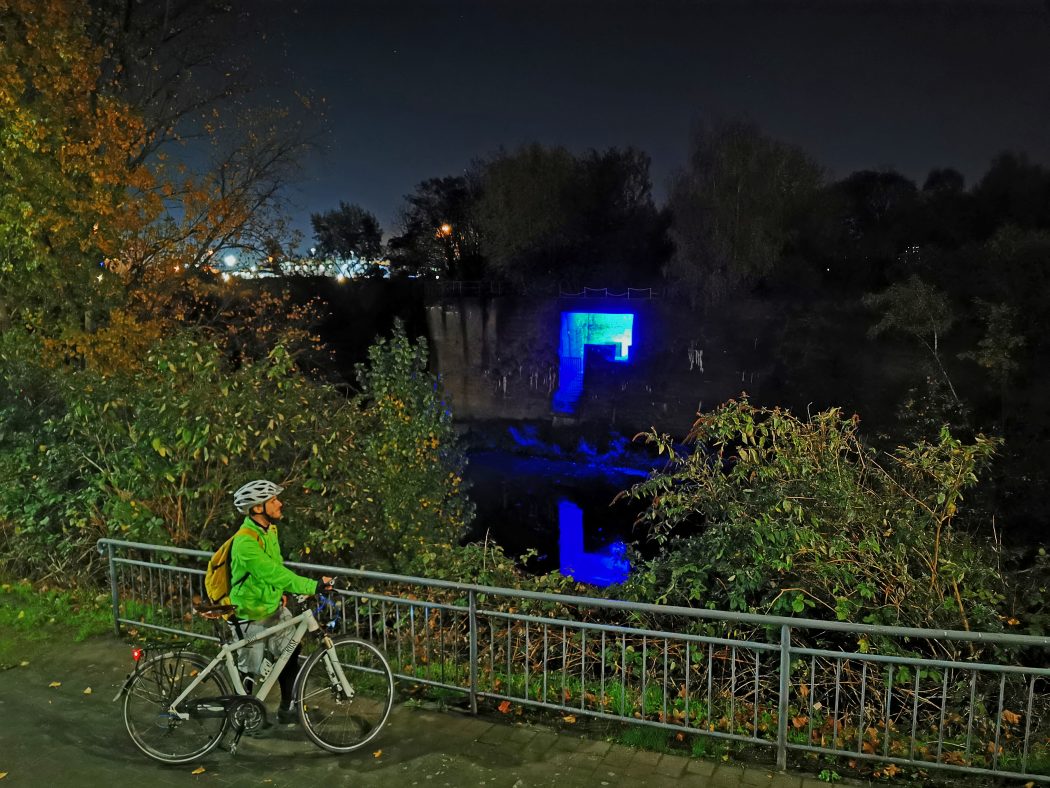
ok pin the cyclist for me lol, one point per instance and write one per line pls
(261, 582)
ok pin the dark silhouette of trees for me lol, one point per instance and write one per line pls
(733, 208)
(348, 232)
(438, 229)
(550, 218)
(1013, 191)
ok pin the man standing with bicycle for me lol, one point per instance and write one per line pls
(259, 581)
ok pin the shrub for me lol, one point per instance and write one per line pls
(769, 513)
(151, 451)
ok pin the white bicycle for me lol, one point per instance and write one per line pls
(179, 704)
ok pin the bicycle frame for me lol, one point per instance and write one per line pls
(303, 623)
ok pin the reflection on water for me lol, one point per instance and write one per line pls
(561, 508)
(601, 568)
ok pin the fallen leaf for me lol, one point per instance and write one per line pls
(24, 663)
(1010, 718)
(87, 690)
(504, 707)
(679, 737)
(569, 718)
(3, 775)
(199, 770)
(55, 684)
(799, 721)
(377, 753)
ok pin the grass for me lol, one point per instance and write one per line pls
(35, 614)
(643, 737)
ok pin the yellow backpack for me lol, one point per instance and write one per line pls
(217, 580)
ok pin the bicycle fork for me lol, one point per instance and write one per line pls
(336, 675)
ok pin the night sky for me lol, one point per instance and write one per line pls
(418, 89)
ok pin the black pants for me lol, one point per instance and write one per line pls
(286, 679)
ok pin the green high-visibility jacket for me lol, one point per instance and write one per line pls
(264, 573)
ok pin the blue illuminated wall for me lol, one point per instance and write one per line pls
(614, 331)
(601, 568)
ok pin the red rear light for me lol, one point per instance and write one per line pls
(136, 653)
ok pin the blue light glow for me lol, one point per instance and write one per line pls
(580, 330)
(602, 568)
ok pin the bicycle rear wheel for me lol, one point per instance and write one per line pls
(154, 729)
(332, 719)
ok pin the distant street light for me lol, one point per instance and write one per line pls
(444, 231)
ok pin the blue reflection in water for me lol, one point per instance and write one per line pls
(602, 568)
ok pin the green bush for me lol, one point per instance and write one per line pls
(400, 488)
(768, 513)
(150, 452)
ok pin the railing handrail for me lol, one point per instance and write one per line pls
(757, 619)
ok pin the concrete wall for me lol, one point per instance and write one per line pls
(498, 359)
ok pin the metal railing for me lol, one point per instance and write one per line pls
(972, 702)
(631, 293)
(448, 288)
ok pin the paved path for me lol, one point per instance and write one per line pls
(55, 737)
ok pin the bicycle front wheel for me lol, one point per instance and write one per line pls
(334, 719)
(154, 729)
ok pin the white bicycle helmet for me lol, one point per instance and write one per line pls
(255, 493)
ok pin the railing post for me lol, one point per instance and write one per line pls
(782, 700)
(473, 621)
(113, 590)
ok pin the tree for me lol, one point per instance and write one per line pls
(878, 222)
(439, 230)
(548, 216)
(173, 63)
(733, 206)
(617, 238)
(523, 212)
(67, 165)
(766, 512)
(1014, 191)
(946, 211)
(918, 310)
(997, 351)
(348, 232)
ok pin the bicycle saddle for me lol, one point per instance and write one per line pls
(213, 611)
